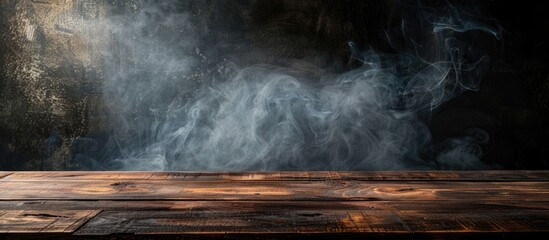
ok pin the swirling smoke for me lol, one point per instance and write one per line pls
(177, 103)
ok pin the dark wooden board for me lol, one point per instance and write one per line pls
(312, 205)
(306, 221)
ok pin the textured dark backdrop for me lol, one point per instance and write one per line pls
(50, 75)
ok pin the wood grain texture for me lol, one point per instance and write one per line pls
(4, 174)
(129, 205)
(252, 205)
(271, 190)
(175, 222)
(49, 221)
(488, 176)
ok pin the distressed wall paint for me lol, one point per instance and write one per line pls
(51, 72)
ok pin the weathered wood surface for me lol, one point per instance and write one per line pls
(271, 190)
(43, 220)
(489, 176)
(144, 205)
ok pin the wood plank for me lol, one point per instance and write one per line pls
(43, 221)
(221, 222)
(305, 221)
(491, 176)
(145, 205)
(273, 190)
(130, 205)
(216, 219)
(479, 221)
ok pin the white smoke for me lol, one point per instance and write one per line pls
(173, 109)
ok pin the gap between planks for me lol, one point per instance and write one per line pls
(486, 176)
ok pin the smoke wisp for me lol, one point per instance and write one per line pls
(176, 103)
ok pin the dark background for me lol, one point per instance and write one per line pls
(43, 114)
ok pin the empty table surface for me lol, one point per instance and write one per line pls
(259, 205)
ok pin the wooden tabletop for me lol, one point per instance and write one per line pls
(259, 205)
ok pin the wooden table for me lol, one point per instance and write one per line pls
(258, 205)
